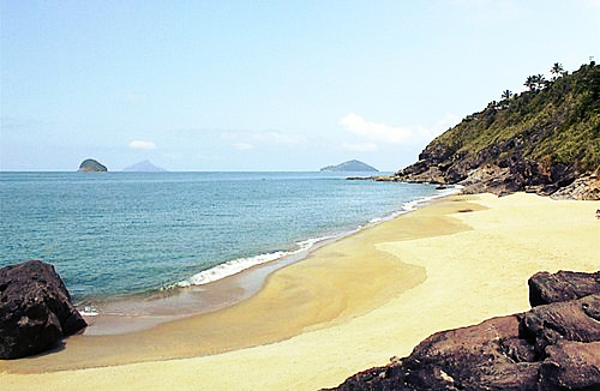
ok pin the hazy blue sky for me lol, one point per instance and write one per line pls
(265, 85)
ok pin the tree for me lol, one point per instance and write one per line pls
(557, 70)
(539, 81)
(536, 82)
(507, 94)
(530, 83)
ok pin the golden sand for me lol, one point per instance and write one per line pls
(349, 306)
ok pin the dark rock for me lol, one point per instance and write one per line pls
(586, 187)
(546, 288)
(361, 178)
(435, 154)
(469, 358)
(35, 310)
(519, 350)
(571, 366)
(563, 175)
(551, 347)
(575, 320)
(384, 178)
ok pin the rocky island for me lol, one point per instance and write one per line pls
(91, 165)
(350, 166)
(144, 166)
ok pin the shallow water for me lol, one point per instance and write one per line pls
(117, 234)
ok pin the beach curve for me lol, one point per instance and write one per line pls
(506, 228)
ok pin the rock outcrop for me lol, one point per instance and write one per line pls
(35, 310)
(554, 346)
(546, 288)
(586, 187)
(503, 177)
(91, 165)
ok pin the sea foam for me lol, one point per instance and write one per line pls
(419, 202)
(236, 266)
(89, 311)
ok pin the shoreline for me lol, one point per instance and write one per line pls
(224, 286)
(455, 262)
(317, 292)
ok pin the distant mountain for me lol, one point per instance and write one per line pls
(350, 166)
(144, 166)
(91, 165)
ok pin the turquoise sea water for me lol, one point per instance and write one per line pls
(114, 234)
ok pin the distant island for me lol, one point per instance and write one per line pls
(91, 165)
(144, 166)
(350, 166)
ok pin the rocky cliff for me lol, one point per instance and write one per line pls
(544, 141)
(554, 346)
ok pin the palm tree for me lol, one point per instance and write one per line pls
(530, 83)
(507, 94)
(540, 81)
(557, 70)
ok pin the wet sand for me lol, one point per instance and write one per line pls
(350, 305)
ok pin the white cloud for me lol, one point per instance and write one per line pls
(357, 125)
(378, 132)
(361, 147)
(141, 145)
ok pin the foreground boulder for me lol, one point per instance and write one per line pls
(546, 288)
(35, 310)
(554, 346)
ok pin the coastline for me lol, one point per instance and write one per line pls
(452, 263)
(219, 287)
(331, 285)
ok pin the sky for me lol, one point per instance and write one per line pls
(265, 85)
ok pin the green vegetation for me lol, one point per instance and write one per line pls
(556, 122)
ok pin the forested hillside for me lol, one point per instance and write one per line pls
(541, 140)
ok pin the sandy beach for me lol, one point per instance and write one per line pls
(349, 306)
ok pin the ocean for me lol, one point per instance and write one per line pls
(119, 234)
